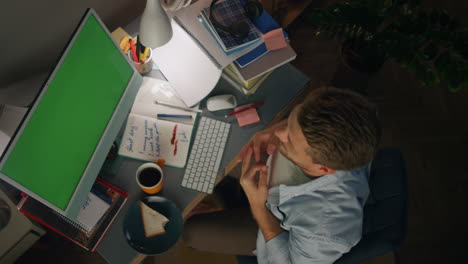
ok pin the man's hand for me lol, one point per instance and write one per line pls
(264, 140)
(256, 189)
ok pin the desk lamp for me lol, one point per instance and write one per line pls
(155, 25)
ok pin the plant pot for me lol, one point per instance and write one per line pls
(358, 64)
(361, 57)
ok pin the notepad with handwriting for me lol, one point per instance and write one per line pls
(148, 138)
(92, 211)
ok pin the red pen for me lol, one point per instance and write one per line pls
(257, 105)
(132, 47)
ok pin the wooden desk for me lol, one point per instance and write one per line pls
(278, 90)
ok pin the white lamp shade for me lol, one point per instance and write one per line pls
(155, 26)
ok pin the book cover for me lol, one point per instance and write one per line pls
(227, 13)
(229, 70)
(268, 62)
(209, 28)
(264, 23)
(75, 231)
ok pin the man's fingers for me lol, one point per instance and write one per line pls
(262, 181)
(247, 178)
(243, 152)
(246, 161)
(252, 171)
(257, 156)
(271, 148)
(257, 150)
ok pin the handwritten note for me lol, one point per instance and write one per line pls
(91, 211)
(149, 138)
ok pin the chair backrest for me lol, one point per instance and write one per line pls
(385, 212)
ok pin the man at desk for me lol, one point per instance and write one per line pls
(307, 198)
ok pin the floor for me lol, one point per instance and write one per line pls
(430, 127)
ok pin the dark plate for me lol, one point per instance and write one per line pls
(135, 234)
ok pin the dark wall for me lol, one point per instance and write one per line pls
(33, 33)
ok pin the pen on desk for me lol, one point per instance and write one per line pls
(178, 107)
(245, 109)
(173, 116)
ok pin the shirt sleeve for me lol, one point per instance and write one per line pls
(319, 237)
(289, 247)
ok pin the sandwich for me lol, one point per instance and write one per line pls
(153, 222)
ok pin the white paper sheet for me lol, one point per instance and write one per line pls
(152, 90)
(187, 68)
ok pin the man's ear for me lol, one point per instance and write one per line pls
(326, 170)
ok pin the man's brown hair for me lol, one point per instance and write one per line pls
(341, 128)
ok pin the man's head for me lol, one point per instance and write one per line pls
(332, 130)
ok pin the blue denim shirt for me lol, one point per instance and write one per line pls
(322, 219)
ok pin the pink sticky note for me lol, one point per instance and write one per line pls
(274, 39)
(248, 116)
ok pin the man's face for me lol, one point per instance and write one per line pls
(293, 145)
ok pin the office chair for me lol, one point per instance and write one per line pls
(385, 212)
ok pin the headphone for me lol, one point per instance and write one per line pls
(239, 30)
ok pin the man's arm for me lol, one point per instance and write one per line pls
(267, 222)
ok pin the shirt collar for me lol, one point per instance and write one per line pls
(288, 192)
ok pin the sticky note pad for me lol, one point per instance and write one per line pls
(275, 40)
(248, 116)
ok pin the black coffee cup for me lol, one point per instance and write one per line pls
(150, 178)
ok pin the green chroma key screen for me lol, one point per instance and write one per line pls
(52, 152)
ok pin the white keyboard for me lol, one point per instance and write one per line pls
(205, 157)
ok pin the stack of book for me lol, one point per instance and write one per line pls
(249, 71)
(228, 13)
(232, 76)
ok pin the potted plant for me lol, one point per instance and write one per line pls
(429, 43)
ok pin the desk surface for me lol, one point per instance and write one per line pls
(279, 89)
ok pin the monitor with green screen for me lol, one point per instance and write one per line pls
(58, 150)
